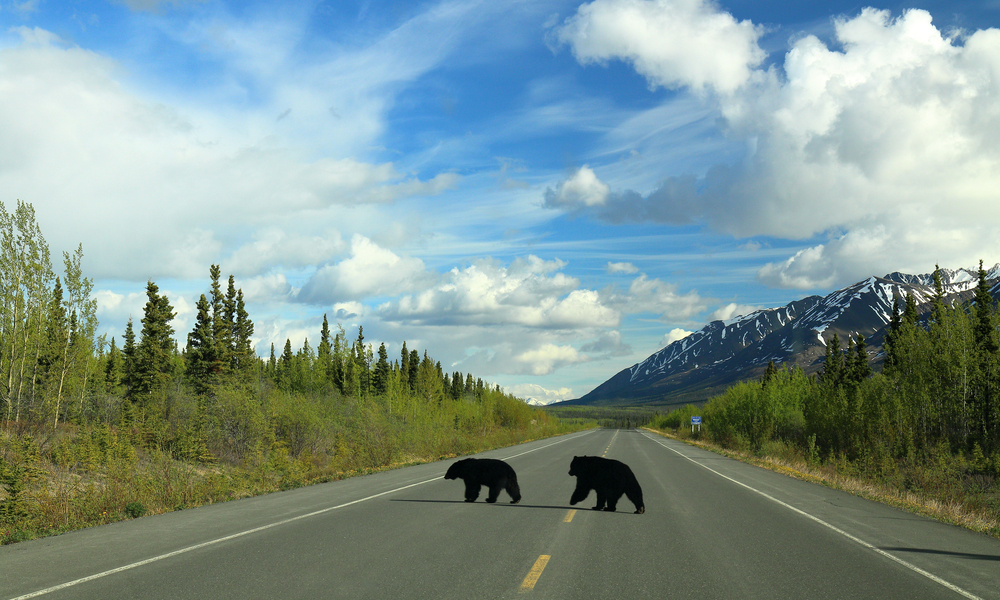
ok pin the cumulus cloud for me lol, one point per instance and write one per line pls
(881, 140)
(622, 267)
(673, 43)
(731, 310)
(94, 155)
(608, 344)
(583, 188)
(548, 358)
(530, 292)
(646, 295)
(673, 335)
(370, 271)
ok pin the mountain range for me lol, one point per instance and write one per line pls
(703, 364)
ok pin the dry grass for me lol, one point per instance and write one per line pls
(952, 512)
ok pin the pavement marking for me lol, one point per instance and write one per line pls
(536, 571)
(569, 516)
(141, 563)
(552, 444)
(830, 526)
(611, 442)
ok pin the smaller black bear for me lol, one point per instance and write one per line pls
(609, 478)
(494, 474)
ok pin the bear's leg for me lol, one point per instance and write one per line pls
(613, 500)
(601, 499)
(471, 491)
(634, 494)
(579, 494)
(494, 493)
(514, 491)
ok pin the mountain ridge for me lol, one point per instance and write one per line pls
(724, 352)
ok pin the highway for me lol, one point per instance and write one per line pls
(713, 528)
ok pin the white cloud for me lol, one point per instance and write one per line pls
(370, 271)
(533, 391)
(673, 335)
(174, 183)
(655, 296)
(528, 293)
(731, 310)
(883, 142)
(622, 267)
(547, 358)
(583, 188)
(673, 43)
(274, 247)
(608, 344)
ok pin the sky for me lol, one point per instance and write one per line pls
(538, 192)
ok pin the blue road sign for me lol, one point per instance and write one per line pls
(696, 420)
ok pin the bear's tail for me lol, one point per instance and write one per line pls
(513, 489)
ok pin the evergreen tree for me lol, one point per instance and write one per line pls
(860, 369)
(154, 354)
(129, 373)
(833, 367)
(910, 314)
(983, 419)
(404, 365)
(411, 376)
(243, 351)
(112, 368)
(221, 325)
(202, 363)
(324, 355)
(769, 374)
(380, 377)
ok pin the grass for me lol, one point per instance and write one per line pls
(63, 496)
(931, 488)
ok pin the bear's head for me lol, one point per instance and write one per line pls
(576, 466)
(457, 470)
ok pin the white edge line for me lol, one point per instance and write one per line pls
(830, 526)
(147, 561)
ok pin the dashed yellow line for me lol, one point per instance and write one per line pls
(536, 571)
(569, 516)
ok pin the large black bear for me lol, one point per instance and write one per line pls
(494, 474)
(609, 478)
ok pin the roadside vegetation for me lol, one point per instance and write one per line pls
(612, 417)
(924, 434)
(93, 432)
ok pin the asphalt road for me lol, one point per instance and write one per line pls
(713, 528)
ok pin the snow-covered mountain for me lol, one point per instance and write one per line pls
(723, 352)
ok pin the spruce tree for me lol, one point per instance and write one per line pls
(243, 351)
(833, 367)
(129, 373)
(154, 354)
(380, 377)
(404, 366)
(324, 354)
(202, 363)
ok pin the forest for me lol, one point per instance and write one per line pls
(95, 431)
(927, 423)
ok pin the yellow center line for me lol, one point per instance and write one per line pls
(536, 571)
(569, 516)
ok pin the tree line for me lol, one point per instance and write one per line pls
(214, 398)
(937, 393)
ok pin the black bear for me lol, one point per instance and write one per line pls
(494, 474)
(609, 478)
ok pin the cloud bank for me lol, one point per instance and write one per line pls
(881, 140)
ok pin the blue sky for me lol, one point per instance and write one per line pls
(539, 192)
